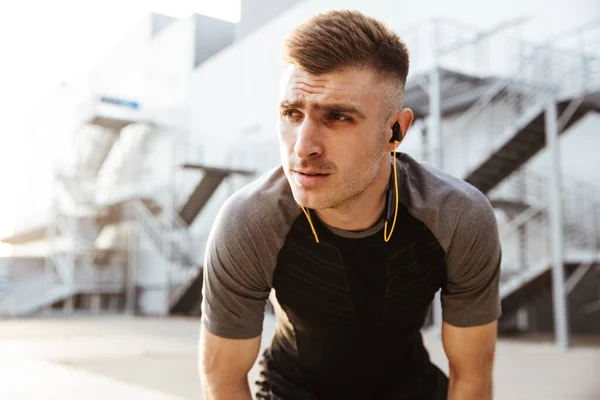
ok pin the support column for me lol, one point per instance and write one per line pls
(130, 281)
(170, 214)
(435, 119)
(425, 147)
(436, 153)
(561, 322)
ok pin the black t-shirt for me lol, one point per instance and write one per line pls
(350, 308)
(355, 306)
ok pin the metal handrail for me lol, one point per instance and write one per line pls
(581, 219)
(160, 234)
(482, 35)
(476, 109)
(540, 73)
(592, 24)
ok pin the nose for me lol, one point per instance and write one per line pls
(308, 140)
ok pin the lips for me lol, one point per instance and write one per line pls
(310, 172)
(309, 177)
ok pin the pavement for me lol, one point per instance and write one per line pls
(119, 357)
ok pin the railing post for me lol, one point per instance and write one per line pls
(130, 281)
(561, 324)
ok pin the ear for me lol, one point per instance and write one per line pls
(404, 118)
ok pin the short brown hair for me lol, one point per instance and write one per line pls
(339, 39)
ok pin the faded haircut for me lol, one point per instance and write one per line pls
(342, 39)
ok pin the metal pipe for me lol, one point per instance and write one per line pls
(435, 118)
(130, 295)
(436, 150)
(561, 321)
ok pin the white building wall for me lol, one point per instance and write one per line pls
(126, 70)
(141, 162)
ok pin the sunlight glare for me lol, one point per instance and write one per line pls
(6, 250)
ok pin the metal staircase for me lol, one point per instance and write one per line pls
(33, 294)
(211, 179)
(484, 97)
(525, 235)
(495, 110)
(94, 143)
(74, 265)
(495, 140)
(171, 240)
(498, 135)
(186, 297)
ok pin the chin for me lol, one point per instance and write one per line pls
(309, 200)
(315, 198)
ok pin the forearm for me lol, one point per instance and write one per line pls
(470, 390)
(226, 390)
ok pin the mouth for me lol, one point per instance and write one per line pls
(309, 178)
(310, 173)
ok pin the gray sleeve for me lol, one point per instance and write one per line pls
(235, 286)
(471, 294)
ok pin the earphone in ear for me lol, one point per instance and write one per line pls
(392, 195)
(396, 134)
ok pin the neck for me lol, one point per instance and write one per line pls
(364, 210)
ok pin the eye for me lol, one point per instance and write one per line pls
(291, 114)
(339, 117)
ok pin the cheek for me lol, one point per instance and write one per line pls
(286, 140)
(287, 134)
(362, 157)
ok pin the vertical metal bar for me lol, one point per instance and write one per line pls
(435, 115)
(74, 249)
(425, 154)
(589, 222)
(436, 152)
(596, 221)
(561, 324)
(131, 267)
(522, 232)
(170, 224)
(51, 234)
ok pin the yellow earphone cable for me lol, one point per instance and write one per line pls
(387, 237)
(311, 224)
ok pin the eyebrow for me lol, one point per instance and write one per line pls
(330, 107)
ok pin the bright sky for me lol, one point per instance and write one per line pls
(45, 42)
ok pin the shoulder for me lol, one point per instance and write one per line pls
(252, 224)
(264, 203)
(241, 254)
(449, 206)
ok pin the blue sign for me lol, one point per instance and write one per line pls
(120, 102)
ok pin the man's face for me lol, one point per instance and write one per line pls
(331, 133)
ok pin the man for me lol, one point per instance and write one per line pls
(351, 243)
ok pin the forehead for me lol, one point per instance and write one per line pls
(354, 85)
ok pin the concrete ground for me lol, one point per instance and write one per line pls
(111, 357)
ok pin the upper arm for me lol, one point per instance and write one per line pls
(235, 287)
(235, 290)
(470, 351)
(470, 296)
